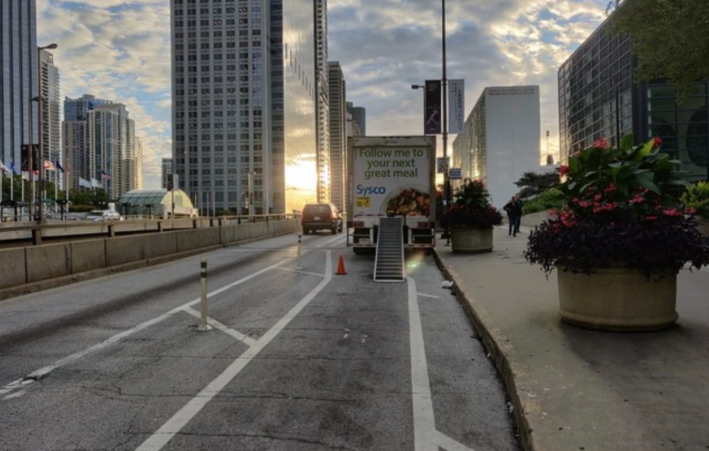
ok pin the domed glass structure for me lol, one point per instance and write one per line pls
(156, 202)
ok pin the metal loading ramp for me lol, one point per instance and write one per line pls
(389, 261)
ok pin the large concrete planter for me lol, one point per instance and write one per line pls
(617, 299)
(471, 240)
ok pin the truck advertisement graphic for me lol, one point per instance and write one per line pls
(392, 176)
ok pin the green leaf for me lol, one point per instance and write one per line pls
(627, 142)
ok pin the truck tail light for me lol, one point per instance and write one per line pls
(358, 224)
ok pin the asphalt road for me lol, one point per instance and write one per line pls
(298, 358)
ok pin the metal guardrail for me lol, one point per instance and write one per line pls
(22, 232)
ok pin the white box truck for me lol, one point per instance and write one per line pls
(392, 176)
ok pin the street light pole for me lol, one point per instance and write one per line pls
(444, 87)
(40, 164)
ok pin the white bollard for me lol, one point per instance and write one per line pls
(297, 262)
(203, 326)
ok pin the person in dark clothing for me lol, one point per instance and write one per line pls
(517, 209)
(511, 219)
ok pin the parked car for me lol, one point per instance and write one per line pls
(321, 217)
(103, 215)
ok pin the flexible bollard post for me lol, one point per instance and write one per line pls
(203, 326)
(297, 262)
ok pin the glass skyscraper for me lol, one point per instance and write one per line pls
(245, 103)
(598, 99)
(18, 78)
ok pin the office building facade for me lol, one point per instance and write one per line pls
(166, 170)
(598, 99)
(338, 135)
(359, 116)
(245, 103)
(18, 78)
(500, 140)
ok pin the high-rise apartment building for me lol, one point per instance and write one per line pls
(51, 123)
(338, 135)
(245, 103)
(78, 160)
(18, 78)
(323, 102)
(100, 145)
(500, 140)
(598, 99)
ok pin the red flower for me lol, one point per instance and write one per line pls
(657, 142)
(601, 143)
(563, 169)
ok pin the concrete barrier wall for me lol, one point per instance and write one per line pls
(124, 249)
(13, 267)
(48, 261)
(534, 219)
(37, 263)
(188, 240)
(88, 255)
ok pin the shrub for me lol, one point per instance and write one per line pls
(551, 199)
(471, 208)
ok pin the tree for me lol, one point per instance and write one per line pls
(670, 39)
(533, 183)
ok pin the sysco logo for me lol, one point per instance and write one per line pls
(369, 190)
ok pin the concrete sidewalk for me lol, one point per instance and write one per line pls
(574, 389)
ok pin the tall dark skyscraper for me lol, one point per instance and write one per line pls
(245, 103)
(18, 77)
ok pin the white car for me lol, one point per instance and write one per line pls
(103, 215)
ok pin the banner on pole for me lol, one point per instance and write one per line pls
(456, 106)
(432, 108)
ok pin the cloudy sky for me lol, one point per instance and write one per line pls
(120, 50)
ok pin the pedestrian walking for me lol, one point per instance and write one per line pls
(511, 219)
(517, 209)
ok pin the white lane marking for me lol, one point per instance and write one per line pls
(223, 327)
(15, 395)
(424, 422)
(42, 372)
(449, 444)
(175, 424)
(428, 295)
(302, 272)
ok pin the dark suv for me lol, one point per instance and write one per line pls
(321, 217)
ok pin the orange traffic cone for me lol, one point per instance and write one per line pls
(341, 267)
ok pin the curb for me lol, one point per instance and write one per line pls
(500, 352)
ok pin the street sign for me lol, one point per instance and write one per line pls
(455, 174)
(442, 165)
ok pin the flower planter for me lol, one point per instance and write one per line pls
(471, 240)
(617, 299)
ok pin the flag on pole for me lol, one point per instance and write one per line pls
(49, 166)
(13, 168)
(58, 166)
(26, 175)
(85, 183)
(95, 183)
(4, 168)
(105, 176)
